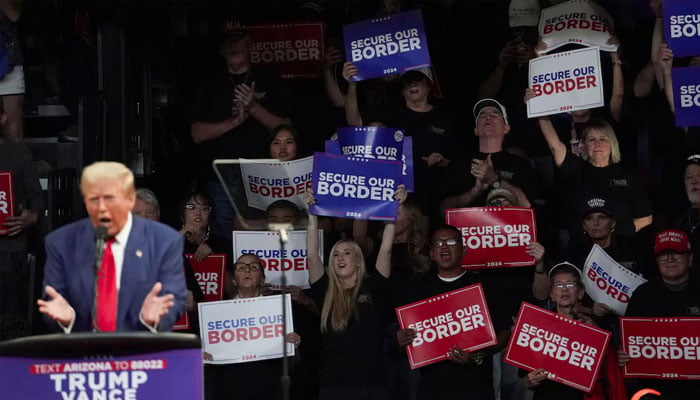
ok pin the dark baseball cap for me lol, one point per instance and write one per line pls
(483, 103)
(597, 204)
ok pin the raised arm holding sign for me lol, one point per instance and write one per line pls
(681, 29)
(387, 45)
(353, 310)
(579, 176)
(686, 94)
(568, 81)
(422, 118)
(576, 21)
(355, 187)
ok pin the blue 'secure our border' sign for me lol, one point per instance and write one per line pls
(376, 142)
(172, 374)
(354, 187)
(682, 26)
(686, 95)
(387, 45)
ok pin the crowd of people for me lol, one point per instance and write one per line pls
(589, 176)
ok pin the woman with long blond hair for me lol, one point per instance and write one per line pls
(354, 313)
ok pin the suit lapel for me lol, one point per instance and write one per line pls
(85, 259)
(132, 269)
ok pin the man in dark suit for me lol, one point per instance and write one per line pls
(150, 283)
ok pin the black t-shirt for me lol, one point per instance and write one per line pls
(510, 287)
(447, 379)
(654, 299)
(623, 249)
(510, 167)
(214, 102)
(433, 131)
(354, 357)
(578, 180)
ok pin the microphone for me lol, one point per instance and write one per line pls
(100, 236)
(283, 229)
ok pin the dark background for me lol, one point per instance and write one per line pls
(128, 91)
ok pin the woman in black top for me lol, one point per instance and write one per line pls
(598, 171)
(354, 313)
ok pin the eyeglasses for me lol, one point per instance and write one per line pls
(443, 242)
(251, 266)
(669, 256)
(192, 207)
(568, 285)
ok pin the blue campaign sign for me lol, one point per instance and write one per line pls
(387, 45)
(350, 138)
(374, 142)
(686, 95)
(682, 26)
(332, 147)
(172, 374)
(355, 187)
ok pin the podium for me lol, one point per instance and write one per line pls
(114, 366)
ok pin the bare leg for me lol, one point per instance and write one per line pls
(13, 129)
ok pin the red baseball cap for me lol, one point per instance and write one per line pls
(671, 240)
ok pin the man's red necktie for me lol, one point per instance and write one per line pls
(107, 292)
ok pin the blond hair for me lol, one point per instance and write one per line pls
(606, 130)
(107, 170)
(339, 304)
